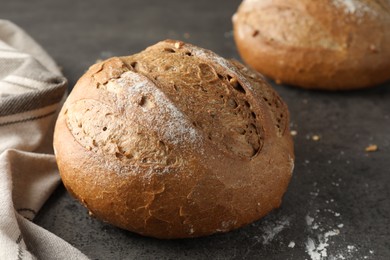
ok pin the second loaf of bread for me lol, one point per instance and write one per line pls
(321, 44)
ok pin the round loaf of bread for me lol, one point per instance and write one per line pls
(174, 142)
(322, 44)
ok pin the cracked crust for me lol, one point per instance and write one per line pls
(325, 44)
(174, 142)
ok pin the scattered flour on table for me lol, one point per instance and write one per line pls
(323, 226)
(309, 220)
(270, 231)
(318, 249)
(267, 232)
(351, 248)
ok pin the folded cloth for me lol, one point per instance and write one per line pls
(32, 89)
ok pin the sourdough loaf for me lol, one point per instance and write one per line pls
(174, 142)
(322, 44)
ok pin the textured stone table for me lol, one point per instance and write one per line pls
(339, 195)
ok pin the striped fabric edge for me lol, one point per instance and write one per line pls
(15, 104)
(30, 115)
(28, 119)
(13, 89)
(9, 54)
(24, 81)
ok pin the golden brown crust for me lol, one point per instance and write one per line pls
(174, 142)
(324, 44)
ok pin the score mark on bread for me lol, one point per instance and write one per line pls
(154, 89)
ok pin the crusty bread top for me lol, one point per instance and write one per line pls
(314, 24)
(169, 141)
(329, 44)
(219, 108)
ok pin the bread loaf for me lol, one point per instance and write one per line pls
(174, 142)
(322, 44)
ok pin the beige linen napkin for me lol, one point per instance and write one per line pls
(31, 92)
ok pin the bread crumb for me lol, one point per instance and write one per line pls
(186, 35)
(178, 45)
(316, 138)
(98, 60)
(233, 82)
(373, 48)
(309, 220)
(293, 132)
(291, 244)
(278, 81)
(317, 250)
(372, 148)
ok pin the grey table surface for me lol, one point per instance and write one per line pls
(338, 199)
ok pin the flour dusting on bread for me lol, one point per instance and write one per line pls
(354, 7)
(161, 115)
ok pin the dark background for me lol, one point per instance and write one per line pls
(336, 184)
